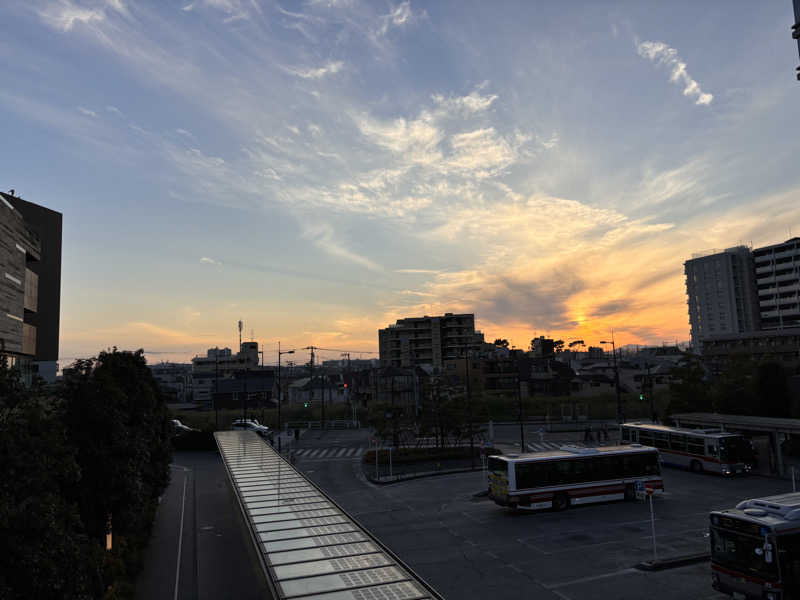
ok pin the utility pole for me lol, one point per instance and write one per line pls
(216, 384)
(469, 419)
(311, 380)
(394, 420)
(620, 416)
(280, 391)
(521, 418)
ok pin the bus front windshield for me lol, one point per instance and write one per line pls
(735, 450)
(742, 553)
(498, 467)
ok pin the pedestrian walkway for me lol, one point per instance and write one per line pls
(544, 446)
(332, 453)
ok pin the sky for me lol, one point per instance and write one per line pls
(320, 169)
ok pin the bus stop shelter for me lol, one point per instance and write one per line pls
(775, 428)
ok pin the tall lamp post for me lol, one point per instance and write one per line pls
(616, 377)
(279, 390)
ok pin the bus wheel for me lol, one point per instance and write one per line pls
(696, 467)
(630, 492)
(560, 502)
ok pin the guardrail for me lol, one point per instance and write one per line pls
(308, 546)
(333, 424)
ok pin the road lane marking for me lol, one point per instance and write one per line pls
(592, 578)
(180, 537)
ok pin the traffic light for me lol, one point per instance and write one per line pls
(305, 404)
(641, 396)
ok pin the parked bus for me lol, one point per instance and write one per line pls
(694, 449)
(560, 478)
(755, 548)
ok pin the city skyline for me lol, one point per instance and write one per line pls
(322, 169)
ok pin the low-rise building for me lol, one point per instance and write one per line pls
(175, 380)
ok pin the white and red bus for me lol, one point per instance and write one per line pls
(694, 449)
(560, 478)
(755, 548)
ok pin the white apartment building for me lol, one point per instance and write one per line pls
(777, 269)
(721, 294)
(417, 341)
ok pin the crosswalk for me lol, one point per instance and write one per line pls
(335, 452)
(544, 446)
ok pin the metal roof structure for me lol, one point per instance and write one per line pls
(309, 547)
(739, 422)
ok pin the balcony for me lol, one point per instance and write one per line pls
(765, 269)
(28, 339)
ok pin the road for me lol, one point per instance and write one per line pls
(200, 547)
(471, 548)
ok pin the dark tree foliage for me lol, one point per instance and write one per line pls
(688, 389)
(501, 343)
(119, 423)
(44, 552)
(743, 387)
(94, 455)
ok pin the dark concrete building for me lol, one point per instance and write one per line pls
(30, 289)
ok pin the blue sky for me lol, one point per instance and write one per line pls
(322, 168)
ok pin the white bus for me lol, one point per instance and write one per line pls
(694, 449)
(560, 478)
(755, 548)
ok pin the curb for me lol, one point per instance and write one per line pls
(673, 563)
(402, 478)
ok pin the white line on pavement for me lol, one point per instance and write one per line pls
(180, 537)
(593, 578)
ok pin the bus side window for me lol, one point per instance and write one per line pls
(645, 438)
(626, 434)
(712, 448)
(524, 473)
(677, 442)
(695, 446)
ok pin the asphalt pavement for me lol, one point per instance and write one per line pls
(468, 547)
(200, 548)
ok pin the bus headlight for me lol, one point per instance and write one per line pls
(726, 469)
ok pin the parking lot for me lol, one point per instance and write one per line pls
(468, 547)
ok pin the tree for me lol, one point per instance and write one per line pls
(772, 390)
(44, 551)
(574, 343)
(689, 390)
(501, 343)
(558, 346)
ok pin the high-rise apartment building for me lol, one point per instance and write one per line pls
(721, 294)
(777, 271)
(428, 340)
(20, 250)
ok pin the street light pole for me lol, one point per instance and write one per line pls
(280, 391)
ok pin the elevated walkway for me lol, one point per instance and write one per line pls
(309, 547)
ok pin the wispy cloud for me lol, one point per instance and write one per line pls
(210, 261)
(399, 16)
(660, 53)
(330, 68)
(87, 112)
(65, 14)
(322, 235)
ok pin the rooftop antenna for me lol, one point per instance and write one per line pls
(240, 335)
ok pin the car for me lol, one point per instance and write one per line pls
(251, 425)
(179, 427)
